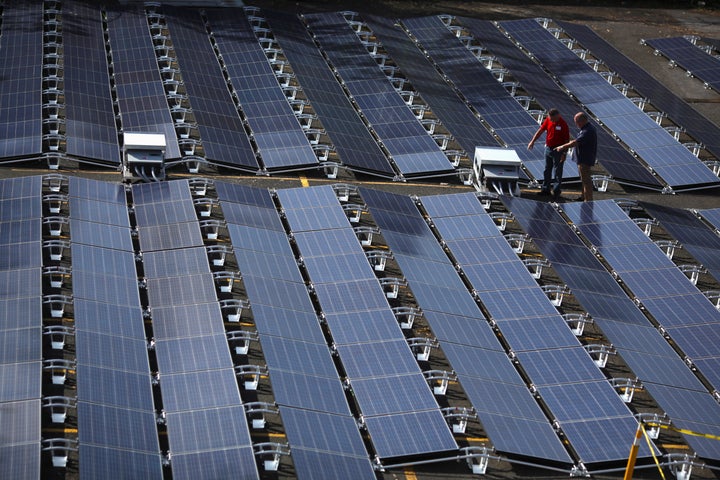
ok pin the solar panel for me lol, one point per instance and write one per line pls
(14, 209)
(122, 429)
(101, 235)
(20, 445)
(267, 265)
(21, 115)
(207, 430)
(603, 439)
(301, 325)
(210, 464)
(200, 390)
(592, 89)
(295, 356)
(697, 62)
(440, 96)
(167, 237)
(221, 130)
(20, 381)
(371, 360)
(691, 232)
(140, 93)
(178, 321)
(161, 213)
(481, 89)
(317, 465)
(175, 263)
(493, 365)
(20, 255)
(278, 293)
(413, 151)
(20, 283)
(89, 116)
(19, 346)
(359, 327)
(20, 231)
(98, 191)
(21, 461)
(354, 143)
(190, 354)
(322, 432)
(309, 392)
(109, 351)
(260, 94)
(97, 317)
(102, 462)
(410, 433)
(112, 387)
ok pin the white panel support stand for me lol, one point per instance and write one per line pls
(458, 417)
(555, 293)
(58, 368)
(58, 406)
(669, 247)
(439, 380)
(256, 413)
(251, 375)
(59, 448)
(646, 224)
(406, 316)
(56, 249)
(501, 219)
(366, 234)
(392, 285)
(517, 241)
(653, 423)
(225, 280)
(681, 465)
(378, 259)
(693, 272)
(57, 334)
(422, 347)
(626, 387)
(56, 304)
(577, 322)
(218, 254)
(535, 266)
(271, 453)
(233, 308)
(240, 340)
(478, 458)
(600, 353)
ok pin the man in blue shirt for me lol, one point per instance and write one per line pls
(584, 154)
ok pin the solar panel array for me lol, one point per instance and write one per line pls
(208, 431)
(20, 326)
(389, 387)
(695, 236)
(642, 346)
(699, 127)
(677, 305)
(674, 163)
(354, 143)
(439, 94)
(21, 80)
(697, 62)
(90, 119)
(305, 382)
(409, 145)
(510, 121)
(620, 163)
(115, 410)
(221, 130)
(509, 414)
(140, 93)
(555, 361)
(712, 215)
(280, 140)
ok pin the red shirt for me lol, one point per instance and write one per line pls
(558, 132)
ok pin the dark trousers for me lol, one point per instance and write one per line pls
(553, 164)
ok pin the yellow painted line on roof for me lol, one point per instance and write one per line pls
(477, 439)
(304, 181)
(60, 430)
(685, 431)
(410, 474)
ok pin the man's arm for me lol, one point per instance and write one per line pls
(535, 137)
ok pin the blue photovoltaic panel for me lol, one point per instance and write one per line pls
(114, 387)
(117, 428)
(21, 80)
(89, 116)
(181, 355)
(324, 242)
(359, 327)
(21, 461)
(297, 356)
(200, 390)
(120, 320)
(315, 465)
(234, 193)
(413, 151)
(95, 260)
(510, 121)
(301, 325)
(175, 263)
(18, 346)
(144, 193)
(471, 331)
(106, 287)
(97, 191)
(689, 56)
(110, 351)
(101, 235)
(537, 333)
(368, 360)
(267, 265)
(221, 130)
(20, 255)
(140, 93)
(493, 365)
(440, 96)
(712, 215)
(14, 209)
(166, 237)
(309, 392)
(259, 239)
(402, 393)
(346, 297)
(252, 216)
(278, 293)
(20, 313)
(178, 321)
(20, 231)
(354, 144)
(208, 429)
(583, 401)
(322, 432)
(698, 126)
(410, 433)
(21, 187)
(20, 381)
(102, 462)
(236, 462)
(694, 235)
(20, 283)
(276, 131)
(603, 439)
(162, 213)
(20, 445)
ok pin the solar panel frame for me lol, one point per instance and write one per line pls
(102, 462)
(208, 430)
(309, 392)
(221, 463)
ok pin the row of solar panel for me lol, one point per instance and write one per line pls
(689, 56)
(21, 355)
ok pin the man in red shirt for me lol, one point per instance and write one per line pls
(557, 133)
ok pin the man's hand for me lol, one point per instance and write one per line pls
(530, 145)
